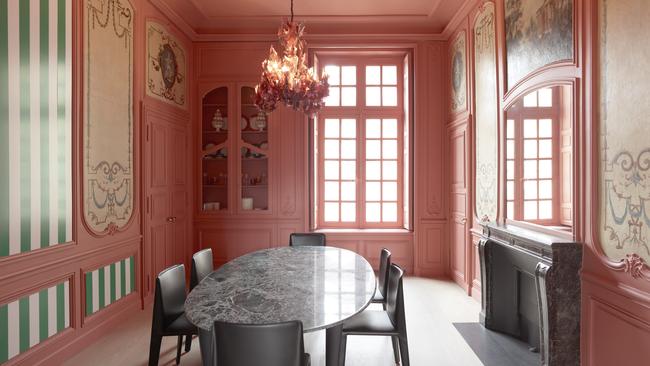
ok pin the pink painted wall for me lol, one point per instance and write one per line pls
(26, 273)
(615, 305)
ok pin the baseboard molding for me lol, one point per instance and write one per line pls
(59, 349)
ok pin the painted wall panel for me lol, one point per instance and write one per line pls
(108, 284)
(166, 66)
(32, 319)
(485, 82)
(35, 125)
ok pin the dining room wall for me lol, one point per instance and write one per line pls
(609, 166)
(65, 279)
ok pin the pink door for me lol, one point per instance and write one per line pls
(166, 192)
(458, 208)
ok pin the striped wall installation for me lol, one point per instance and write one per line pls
(35, 124)
(108, 284)
(32, 319)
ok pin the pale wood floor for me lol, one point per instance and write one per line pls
(431, 308)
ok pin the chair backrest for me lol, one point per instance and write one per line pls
(384, 265)
(278, 344)
(307, 239)
(170, 296)
(395, 297)
(202, 266)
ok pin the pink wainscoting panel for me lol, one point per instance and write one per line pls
(430, 244)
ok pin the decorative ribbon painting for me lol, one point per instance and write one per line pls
(625, 150)
(459, 74)
(166, 66)
(486, 114)
(108, 115)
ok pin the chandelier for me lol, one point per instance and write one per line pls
(287, 79)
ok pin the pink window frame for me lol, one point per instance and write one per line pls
(360, 113)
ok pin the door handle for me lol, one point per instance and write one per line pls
(463, 220)
(171, 219)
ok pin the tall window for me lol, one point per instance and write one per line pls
(359, 149)
(531, 158)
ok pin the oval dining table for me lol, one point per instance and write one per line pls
(320, 286)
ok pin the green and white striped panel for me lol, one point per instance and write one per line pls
(108, 284)
(35, 124)
(32, 319)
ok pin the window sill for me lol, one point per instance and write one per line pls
(363, 231)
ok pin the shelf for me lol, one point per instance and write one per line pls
(254, 132)
(249, 159)
(214, 186)
(215, 159)
(214, 105)
(256, 186)
(215, 132)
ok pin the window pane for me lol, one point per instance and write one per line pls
(546, 189)
(373, 211)
(510, 210)
(333, 99)
(390, 128)
(348, 149)
(545, 128)
(349, 96)
(545, 169)
(348, 170)
(348, 128)
(349, 75)
(331, 212)
(530, 149)
(348, 212)
(373, 76)
(510, 169)
(389, 96)
(530, 128)
(333, 72)
(390, 75)
(373, 96)
(331, 128)
(373, 191)
(389, 191)
(390, 170)
(510, 129)
(389, 149)
(530, 100)
(546, 148)
(510, 149)
(546, 209)
(530, 190)
(510, 190)
(331, 149)
(546, 97)
(331, 191)
(530, 169)
(331, 169)
(373, 149)
(530, 210)
(373, 170)
(348, 191)
(389, 212)
(373, 128)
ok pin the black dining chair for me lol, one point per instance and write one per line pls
(391, 322)
(307, 239)
(279, 344)
(382, 278)
(168, 313)
(202, 266)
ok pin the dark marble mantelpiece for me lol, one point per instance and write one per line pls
(531, 290)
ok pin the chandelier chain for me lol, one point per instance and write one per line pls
(292, 11)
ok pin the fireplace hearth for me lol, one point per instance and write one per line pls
(531, 290)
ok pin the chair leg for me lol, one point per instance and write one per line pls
(178, 349)
(154, 349)
(404, 350)
(344, 342)
(188, 343)
(395, 340)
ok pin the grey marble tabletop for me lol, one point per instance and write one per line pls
(321, 286)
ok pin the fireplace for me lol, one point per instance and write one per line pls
(531, 290)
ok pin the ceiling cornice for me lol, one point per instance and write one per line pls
(460, 15)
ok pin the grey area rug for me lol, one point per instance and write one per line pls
(496, 349)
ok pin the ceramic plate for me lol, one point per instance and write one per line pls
(243, 123)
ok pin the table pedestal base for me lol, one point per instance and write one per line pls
(206, 342)
(333, 345)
